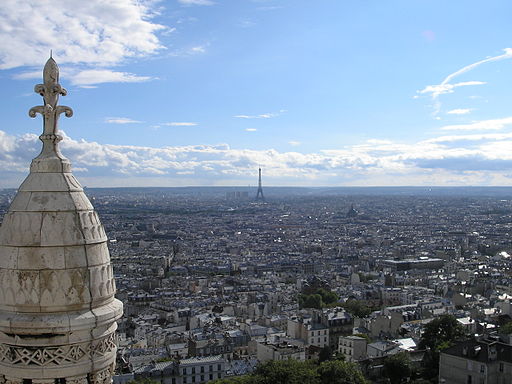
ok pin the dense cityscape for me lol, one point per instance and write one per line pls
(215, 284)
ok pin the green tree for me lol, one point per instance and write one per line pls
(311, 301)
(325, 354)
(397, 368)
(328, 297)
(356, 308)
(507, 328)
(340, 372)
(439, 334)
(287, 372)
(442, 331)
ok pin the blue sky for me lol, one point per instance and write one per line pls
(203, 92)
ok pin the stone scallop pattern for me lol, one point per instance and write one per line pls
(53, 250)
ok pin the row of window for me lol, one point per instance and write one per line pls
(319, 333)
(202, 378)
(192, 370)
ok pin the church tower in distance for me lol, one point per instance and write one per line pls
(57, 307)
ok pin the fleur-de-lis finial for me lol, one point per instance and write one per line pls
(50, 90)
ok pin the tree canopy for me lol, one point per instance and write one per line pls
(507, 328)
(441, 332)
(397, 367)
(357, 308)
(298, 372)
(319, 298)
(340, 372)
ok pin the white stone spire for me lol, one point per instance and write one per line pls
(57, 307)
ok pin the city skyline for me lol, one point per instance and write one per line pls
(202, 92)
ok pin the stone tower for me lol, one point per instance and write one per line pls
(57, 307)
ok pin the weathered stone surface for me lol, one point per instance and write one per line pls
(57, 307)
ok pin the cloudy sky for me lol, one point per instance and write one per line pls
(317, 93)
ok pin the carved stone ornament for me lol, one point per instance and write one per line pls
(55, 356)
(104, 376)
(50, 90)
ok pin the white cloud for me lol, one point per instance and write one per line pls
(99, 76)
(476, 159)
(198, 49)
(190, 51)
(261, 116)
(446, 87)
(93, 32)
(180, 124)
(196, 2)
(250, 129)
(441, 89)
(459, 111)
(294, 143)
(494, 124)
(121, 120)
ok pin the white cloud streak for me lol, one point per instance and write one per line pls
(459, 111)
(180, 124)
(261, 116)
(196, 2)
(446, 87)
(121, 120)
(484, 125)
(99, 76)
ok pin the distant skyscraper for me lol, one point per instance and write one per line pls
(57, 307)
(259, 194)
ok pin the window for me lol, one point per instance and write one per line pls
(184, 380)
(218, 375)
(469, 379)
(193, 379)
(211, 368)
(202, 369)
(184, 371)
(211, 376)
(482, 368)
(501, 367)
(219, 367)
(202, 377)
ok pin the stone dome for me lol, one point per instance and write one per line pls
(57, 307)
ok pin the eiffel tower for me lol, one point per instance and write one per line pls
(259, 194)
